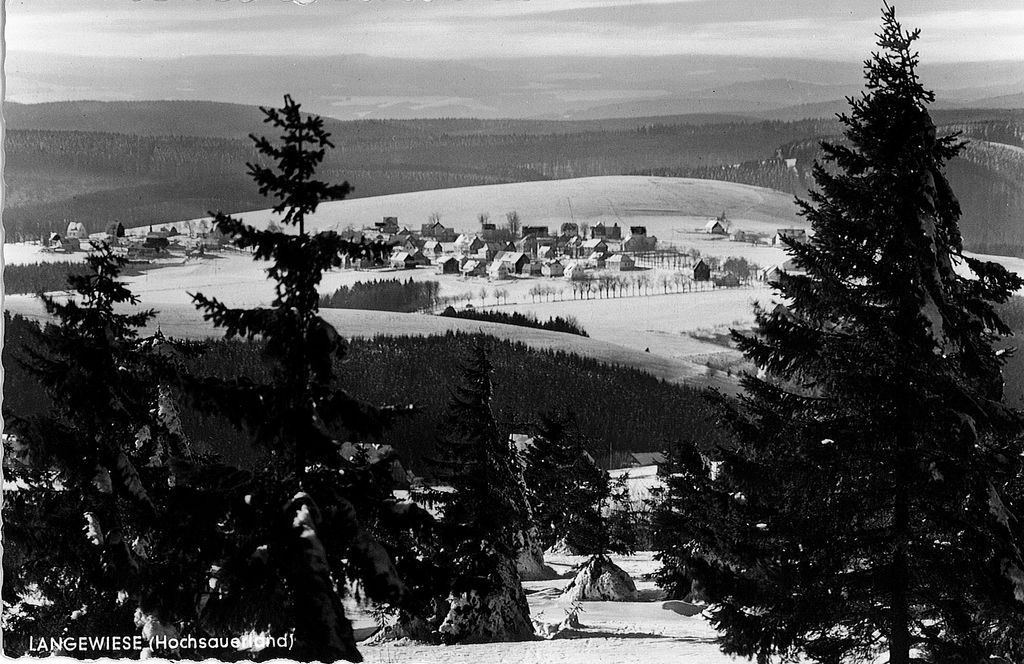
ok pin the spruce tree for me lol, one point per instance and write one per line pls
(301, 524)
(566, 489)
(91, 496)
(870, 502)
(479, 596)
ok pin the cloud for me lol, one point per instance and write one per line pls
(459, 29)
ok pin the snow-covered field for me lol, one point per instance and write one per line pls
(26, 253)
(652, 332)
(665, 205)
(611, 632)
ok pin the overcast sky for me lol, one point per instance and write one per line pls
(585, 52)
(953, 30)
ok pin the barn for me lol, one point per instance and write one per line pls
(716, 227)
(448, 265)
(701, 271)
(403, 260)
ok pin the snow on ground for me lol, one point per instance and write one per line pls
(622, 330)
(611, 632)
(662, 323)
(664, 205)
(26, 253)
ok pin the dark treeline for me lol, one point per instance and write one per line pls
(40, 277)
(44, 277)
(384, 295)
(770, 173)
(555, 324)
(619, 409)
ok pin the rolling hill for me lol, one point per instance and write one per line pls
(155, 162)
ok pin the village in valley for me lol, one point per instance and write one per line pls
(573, 252)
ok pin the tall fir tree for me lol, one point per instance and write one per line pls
(301, 524)
(479, 596)
(871, 501)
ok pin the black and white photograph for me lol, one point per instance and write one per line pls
(513, 331)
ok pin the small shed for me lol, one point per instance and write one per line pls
(701, 271)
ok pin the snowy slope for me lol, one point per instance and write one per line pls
(662, 204)
(610, 633)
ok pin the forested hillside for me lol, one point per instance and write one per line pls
(619, 409)
(145, 177)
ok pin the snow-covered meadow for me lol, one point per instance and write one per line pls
(654, 331)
